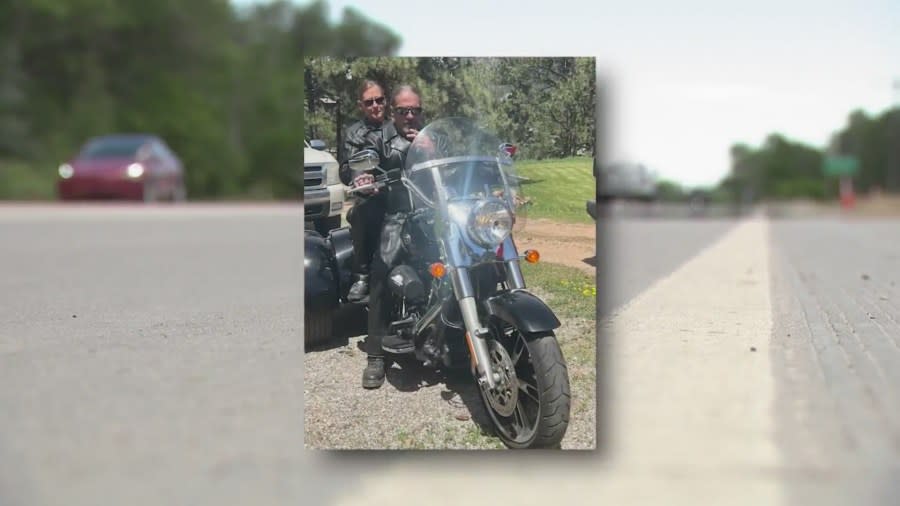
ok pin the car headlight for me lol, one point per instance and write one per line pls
(135, 170)
(332, 174)
(489, 223)
(66, 171)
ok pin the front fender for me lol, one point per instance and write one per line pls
(342, 246)
(523, 310)
(320, 280)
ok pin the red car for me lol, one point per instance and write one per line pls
(126, 166)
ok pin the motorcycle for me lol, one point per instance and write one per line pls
(459, 297)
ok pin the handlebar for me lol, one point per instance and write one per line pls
(380, 182)
(364, 188)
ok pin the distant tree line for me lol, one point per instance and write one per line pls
(783, 169)
(543, 105)
(223, 86)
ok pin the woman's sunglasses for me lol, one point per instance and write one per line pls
(376, 100)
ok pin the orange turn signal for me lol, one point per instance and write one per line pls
(532, 256)
(437, 270)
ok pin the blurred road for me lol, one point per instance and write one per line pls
(761, 370)
(151, 355)
(635, 253)
(836, 357)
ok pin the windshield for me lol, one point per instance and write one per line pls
(112, 147)
(466, 163)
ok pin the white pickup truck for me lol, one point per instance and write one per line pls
(622, 181)
(323, 192)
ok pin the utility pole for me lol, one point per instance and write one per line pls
(331, 103)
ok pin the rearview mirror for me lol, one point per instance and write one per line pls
(317, 144)
(363, 161)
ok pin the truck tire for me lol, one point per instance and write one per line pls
(317, 327)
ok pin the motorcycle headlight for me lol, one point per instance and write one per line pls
(490, 223)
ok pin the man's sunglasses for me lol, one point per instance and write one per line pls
(403, 111)
(376, 100)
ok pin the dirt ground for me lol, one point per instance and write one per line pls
(571, 244)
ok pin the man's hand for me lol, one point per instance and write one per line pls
(411, 134)
(363, 180)
(427, 144)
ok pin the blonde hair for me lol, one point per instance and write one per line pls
(368, 83)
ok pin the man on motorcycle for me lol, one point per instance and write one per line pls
(366, 215)
(407, 114)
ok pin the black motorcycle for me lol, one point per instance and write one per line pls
(458, 294)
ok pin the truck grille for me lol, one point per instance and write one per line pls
(314, 210)
(313, 177)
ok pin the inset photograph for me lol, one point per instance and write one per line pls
(449, 253)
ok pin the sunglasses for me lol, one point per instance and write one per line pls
(376, 100)
(403, 111)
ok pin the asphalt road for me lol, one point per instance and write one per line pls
(152, 355)
(836, 358)
(635, 253)
(761, 370)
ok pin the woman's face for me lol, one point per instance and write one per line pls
(372, 104)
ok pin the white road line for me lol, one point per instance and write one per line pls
(690, 404)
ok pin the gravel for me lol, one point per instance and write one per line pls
(421, 408)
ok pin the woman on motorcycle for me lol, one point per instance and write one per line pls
(406, 106)
(367, 213)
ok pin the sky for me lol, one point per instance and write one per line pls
(683, 81)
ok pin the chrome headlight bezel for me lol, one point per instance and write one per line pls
(489, 223)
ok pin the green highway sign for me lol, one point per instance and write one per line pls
(840, 166)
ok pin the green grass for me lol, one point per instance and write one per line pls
(572, 292)
(456, 435)
(27, 181)
(558, 188)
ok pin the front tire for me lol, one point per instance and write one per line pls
(543, 397)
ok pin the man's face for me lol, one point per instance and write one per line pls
(372, 104)
(408, 114)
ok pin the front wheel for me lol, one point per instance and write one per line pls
(530, 406)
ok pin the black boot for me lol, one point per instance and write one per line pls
(373, 375)
(360, 289)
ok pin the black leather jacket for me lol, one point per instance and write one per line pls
(391, 148)
(383, 138)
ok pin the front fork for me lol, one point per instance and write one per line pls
(476, 335)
